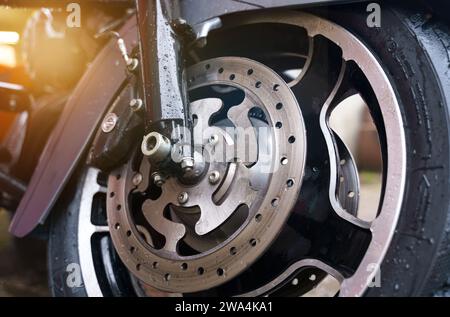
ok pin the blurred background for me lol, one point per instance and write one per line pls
(22, 262)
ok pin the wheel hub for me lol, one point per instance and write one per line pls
(191, 236)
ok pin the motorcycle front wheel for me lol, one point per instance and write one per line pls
(315, 61)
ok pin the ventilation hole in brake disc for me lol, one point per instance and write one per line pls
(275, 202)
(291, 139)
(290, 183)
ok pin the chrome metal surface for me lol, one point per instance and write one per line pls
(307, 263)
(156, 147)
(202, 30)
(109, 123)
(136, 105)
(86, 229)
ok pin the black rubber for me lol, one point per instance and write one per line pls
(63, 241)
(413, 46)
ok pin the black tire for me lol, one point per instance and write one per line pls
(62, 243)
(415, 52)
(414, 48)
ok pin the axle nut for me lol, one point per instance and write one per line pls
(156, 146)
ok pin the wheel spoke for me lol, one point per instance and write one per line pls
(327, 81)
(294, 268)
(101, 229)
(86, 230)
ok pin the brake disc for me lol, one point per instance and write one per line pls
(231, 215)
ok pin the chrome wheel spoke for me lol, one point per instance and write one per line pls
(329, 77)
(291, 271)
(87, 230)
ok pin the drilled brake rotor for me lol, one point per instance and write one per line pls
(232, 214)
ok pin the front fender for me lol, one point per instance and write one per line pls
(76, 127)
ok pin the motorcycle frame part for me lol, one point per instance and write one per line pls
(162, 68)
(112, 148)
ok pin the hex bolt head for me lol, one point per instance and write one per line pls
(158, 180)
(137, 179)
(136, 104)
(109, 122)
(214, 177)
(187, 164)
(183, 198)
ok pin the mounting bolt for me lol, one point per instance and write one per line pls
(183, 198)
(214, 177)
(136, 104)
(158, 180)
(187, 164)
(109, 122)
(132, 64)
(137, 179)
(213, 139)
